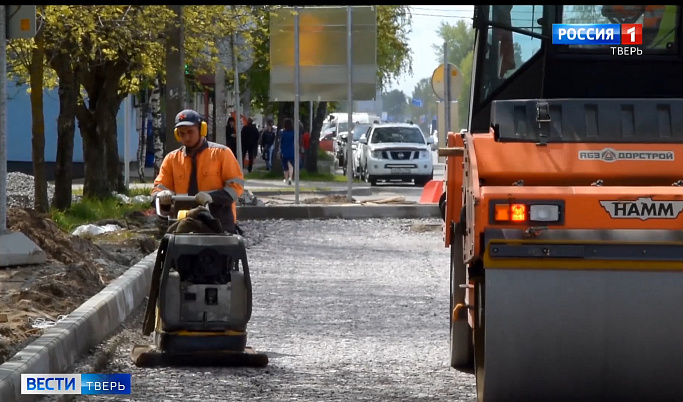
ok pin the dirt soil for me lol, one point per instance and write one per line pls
(76, 269)
(329, 199)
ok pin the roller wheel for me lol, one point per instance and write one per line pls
(461, 347)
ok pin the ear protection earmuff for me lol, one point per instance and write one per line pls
(203, 130)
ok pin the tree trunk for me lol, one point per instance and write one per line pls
(38, 127)
(155, 104)
(142, 139)
(94, 157)
(66, 128)
(97, 121)
(110, 131)
(318, 120)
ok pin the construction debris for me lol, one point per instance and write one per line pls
(35, 297)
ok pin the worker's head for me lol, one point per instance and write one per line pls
(269, 123)
(190, 128)
(231, 121)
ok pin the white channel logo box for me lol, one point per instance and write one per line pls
(51, 384)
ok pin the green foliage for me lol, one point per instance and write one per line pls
(121, 43)
(393, 52)
(324, 155)
(92, 210)
(19, 58)
(395, 103)
(460, 39)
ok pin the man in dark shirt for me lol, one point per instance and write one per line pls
(250, 136)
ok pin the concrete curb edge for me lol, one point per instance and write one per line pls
(91, 323)
(351, 211)
(354, 191)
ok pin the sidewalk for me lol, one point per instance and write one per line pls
(254, 185)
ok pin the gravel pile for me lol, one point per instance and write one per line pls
(346, 311)
(20, 190)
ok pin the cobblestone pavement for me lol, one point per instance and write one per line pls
(346, 311)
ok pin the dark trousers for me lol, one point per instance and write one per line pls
(251, 151)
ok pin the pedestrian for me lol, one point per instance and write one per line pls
(268, 143)
(230, 136)
(287, 151)
(305, 143)
(250, 136)
(201, 166)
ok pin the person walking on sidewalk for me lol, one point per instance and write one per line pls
(268, 143)
(287, 151)
(230, 136)
(201, 165)
(250, 136)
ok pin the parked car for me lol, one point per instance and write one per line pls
(397, 151)
(326, 143)
(358, 130)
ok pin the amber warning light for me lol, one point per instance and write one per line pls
(524, 212)
(510, 212)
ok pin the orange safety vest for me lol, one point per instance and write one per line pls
(217, 168)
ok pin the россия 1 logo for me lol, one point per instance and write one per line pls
(626, 35)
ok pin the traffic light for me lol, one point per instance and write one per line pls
(187, 69)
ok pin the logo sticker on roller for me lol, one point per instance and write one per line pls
(643, 209)
(612, 155)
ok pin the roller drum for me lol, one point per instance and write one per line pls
(582, 335)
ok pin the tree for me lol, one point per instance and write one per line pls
(460, 39)
(393, 60)
(104, 49)
(26, 59)
(395, 103)
(111, 51)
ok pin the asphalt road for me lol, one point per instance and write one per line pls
(346, 310)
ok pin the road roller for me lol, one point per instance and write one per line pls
(563, 207)
(200, 297)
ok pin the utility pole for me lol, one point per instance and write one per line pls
(238, 98)
(447, 96)
(220, 95)
(175, 76)
(349, 95)
(3, 121)
(15, 247)
(296, 105)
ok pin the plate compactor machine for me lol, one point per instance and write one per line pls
(564, 208)
(200, 296)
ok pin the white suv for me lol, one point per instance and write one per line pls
(396, 152)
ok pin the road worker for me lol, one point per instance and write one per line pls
(201, 165)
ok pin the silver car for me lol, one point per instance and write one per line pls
(396, 152)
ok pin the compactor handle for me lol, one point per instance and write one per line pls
(176, 198)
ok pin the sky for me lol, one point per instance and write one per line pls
(425, 22)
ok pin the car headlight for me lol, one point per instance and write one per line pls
(377, 154)
(424, 154)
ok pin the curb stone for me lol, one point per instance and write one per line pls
(352, 211)
(62, 345)
(355, 191)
